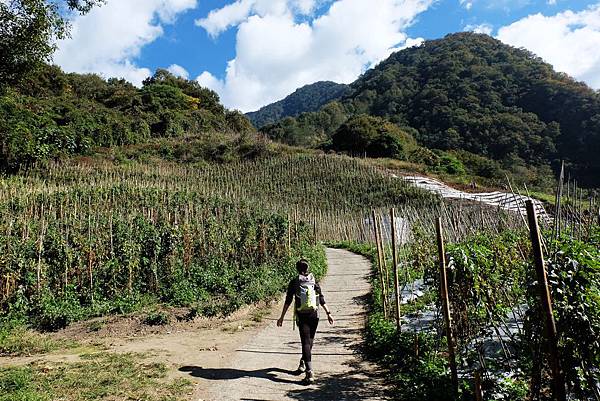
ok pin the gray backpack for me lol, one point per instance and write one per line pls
(307, 295)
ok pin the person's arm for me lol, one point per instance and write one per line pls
(329, 317)
(283, 312)
(323, 303)
(289, 298)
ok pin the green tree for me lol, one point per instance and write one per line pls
(372, 136)
(29, 30)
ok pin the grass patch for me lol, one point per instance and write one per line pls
(20, 341)
(96, 377)
(259, 314)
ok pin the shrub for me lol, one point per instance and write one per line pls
(372, 136)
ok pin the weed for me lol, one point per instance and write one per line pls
(157, 318)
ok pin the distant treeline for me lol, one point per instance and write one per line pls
(308, 98)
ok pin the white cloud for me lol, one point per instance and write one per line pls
(207, 80)
(505, 5)
(233, 14)
(178, 71)
(276, 54)
(481, 28)
(568, 40)
(468, 4)
(110, 37)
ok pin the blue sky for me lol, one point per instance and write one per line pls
(253, 52)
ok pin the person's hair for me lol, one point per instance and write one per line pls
(302, 266)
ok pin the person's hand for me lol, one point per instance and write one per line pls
(330, 318)
(280, 322)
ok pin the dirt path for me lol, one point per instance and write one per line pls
(262, 368)
(241, 359)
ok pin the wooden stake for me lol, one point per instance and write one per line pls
(315, 229)
(289, 233)
(559, 190)
(386, 274)
(478, 391)
(380, 265)
(395, 267)
(558, 379)
(446, 304)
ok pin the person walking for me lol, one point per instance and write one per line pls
(307, 295)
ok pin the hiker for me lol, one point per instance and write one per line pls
(305, 290)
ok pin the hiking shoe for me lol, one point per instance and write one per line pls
(302, 366)
(310, 377)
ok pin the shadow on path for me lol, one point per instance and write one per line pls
(232, 374)
(343, 387)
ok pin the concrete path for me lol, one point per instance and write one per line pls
(263, 367)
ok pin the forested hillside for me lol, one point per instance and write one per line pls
(308, 98)
(471, 92)
(52, 114)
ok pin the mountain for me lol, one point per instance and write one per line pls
(471, 92)
(308, 98)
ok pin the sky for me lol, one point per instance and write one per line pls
(255, 52)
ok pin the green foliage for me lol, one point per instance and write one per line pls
(157, 318)
(485, 270)
(53, 114)
(415, 376)
(198, 150)
(471, 92)
(479, 165)
(306, 99)
(313, 129)
(16, 384)
(234, 252)
(448, 164)
(110, 239)
(574, 276)
(372, 136)
(29, 30)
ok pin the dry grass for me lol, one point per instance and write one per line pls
(105, 376)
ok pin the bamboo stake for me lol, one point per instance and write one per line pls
(384, 266)
(39, 261)
(395, 267)
(546, 301)
(380, 265)
(289, 235)
(559, 190)
(446, 304)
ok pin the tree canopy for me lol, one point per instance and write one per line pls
(52, 114)
(372, 136)
(29, 30)
(308, 98)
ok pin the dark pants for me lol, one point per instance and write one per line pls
(307, 324)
